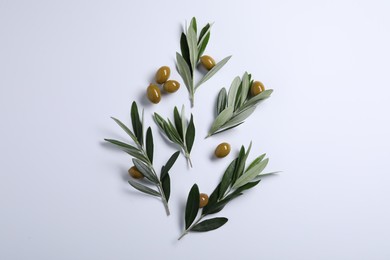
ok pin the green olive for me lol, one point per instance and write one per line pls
(207, 62)
(135, 173)
(163, 74)
(203, 200)
(256, 88)
(154, 94)
(222, 150)
(171, 86)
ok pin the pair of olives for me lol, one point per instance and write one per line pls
(170, 86)
(207, 62)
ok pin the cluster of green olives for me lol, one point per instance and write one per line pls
(153, 91)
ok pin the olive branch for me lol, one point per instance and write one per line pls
(192, 47)
(237, 105)
(235, 180)
(143, 158)
(180, 133)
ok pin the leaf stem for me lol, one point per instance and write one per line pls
(164, 199)
(185, 232)
(188, 157)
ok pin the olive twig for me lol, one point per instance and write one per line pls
(236, 179)
(192, 47)
(143, 159)
(237, 105)
(179, 132)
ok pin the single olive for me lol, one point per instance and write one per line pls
(135, 173)
(222, 150)
(154, 94)
(203, 200)
(171, 86)
(163, 74)
(256, 88)
(207, 62)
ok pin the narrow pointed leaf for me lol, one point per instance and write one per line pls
(178, 124)
(244, 88)
(169, 164)
(233, 91)
(256, 99)
(143, 188)
(166, 186)
(190, 135)
(125, 128)
(256, 161)
(183, 121)
(227, 179)
(221, 101)
(136, 122)
(214, 70)
(251, 174)
(185, 72)
(184, 49)
(261, 175)
(149, 144)
(221, 119)
(192, 206)
(193, 24)
(205, 30)
(203, 45)
(247, 186)
(193, 47)
(145, 170)
(240, 117)
(226, 129)
(209, 224)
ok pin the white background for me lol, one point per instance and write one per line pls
(67, 66)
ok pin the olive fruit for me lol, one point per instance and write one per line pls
(207, 62)
(163, 74)
(222, 150)
(135, 173)
(154, 94)
(203, 200)
(171, 86)
(256, 88)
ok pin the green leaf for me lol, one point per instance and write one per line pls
(227, 179)
(256, 161)
(209, 224)
(193, 47)
(192, 206)
(244, 88)
(247, 186)
(166, 186)
(184, 49)
(145, 170)
(240, 164)
(126, 129)
(143, 188)
(213, 199)
(203, 32)
(217, 207)
(256, 99)
(221, 119)
(261, 175)
(149, 144)
(233, 91)
(174, 132)
(240, 117)
(221, 101)
(226, 129)
(169, 164)
(178, 125)
(190, 135)
(193, 24)
(250, 174)
(214, 70)
(131, 150)
(183, 121)
(203, 45)
(185, 72)
(136, 122)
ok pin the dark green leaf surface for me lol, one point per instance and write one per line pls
(178, 124)
(203, 32)
(227, 179)
(209, 224)
(185, 53)
(192, 206)
(203, 45)
(145, 170)
(169, 164)
(221, 101)
(136, 122)
(166, 185)
(143, 188)
(247, 186)
(149, 144)
(190, 135)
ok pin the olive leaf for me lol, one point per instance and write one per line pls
(142, 151)
(237, 105)
(235, 180)
(192, 47)
(180, 132)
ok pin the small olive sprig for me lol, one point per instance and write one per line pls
(192, 47)
(235, 180)
(180, 133)
(233, 108)
(153, 91)
(143, 159)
